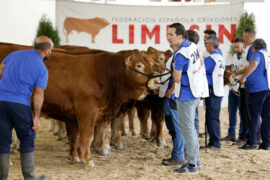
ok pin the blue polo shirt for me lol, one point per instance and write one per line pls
(249, 54)
(257, 80)
(181, 64)
(210, 64)
(24, 70)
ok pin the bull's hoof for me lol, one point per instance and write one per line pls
(144, 136)
(76, 160)
(60, 138)
(55, 134)
(134, 133)
(123, 133)
(89, 164)
(119, 146)
(102, 152)
(162, 144)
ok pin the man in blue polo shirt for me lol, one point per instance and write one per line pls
(214, 65)
(257, 78)
(187, 93)
(22, 72)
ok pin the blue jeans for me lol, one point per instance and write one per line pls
(18, 116)
(172, 123)
(186, 114)
(197, 123)
(259, 107)
(213, 105)
(233, 105)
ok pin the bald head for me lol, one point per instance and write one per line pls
(43, 43)
(44, 46)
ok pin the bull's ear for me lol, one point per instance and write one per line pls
(151, 50)
(128, 61)
(136, 51)
(168, 53)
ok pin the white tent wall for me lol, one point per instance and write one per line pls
(19, 20)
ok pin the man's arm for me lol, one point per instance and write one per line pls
(251, 67)
(2, 67)
(241, 71)
(38, 98)
(177, 78)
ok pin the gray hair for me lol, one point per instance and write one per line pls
(213, 40)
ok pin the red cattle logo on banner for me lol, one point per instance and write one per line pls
(90, 26)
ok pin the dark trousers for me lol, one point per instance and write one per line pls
(244, 113)
(18, 116)
(259, 107)
(213, 105)
(234, 101)
(172, 123)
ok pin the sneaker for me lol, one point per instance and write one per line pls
(171, 162)
(264, 147)
(249, 146)
(229, 138)
(186, 168)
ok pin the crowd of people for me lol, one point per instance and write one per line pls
(195, 76)
(200, 76)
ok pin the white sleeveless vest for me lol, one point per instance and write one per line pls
(217, 75)
(163, 87)
(193, 72)
(266, 55)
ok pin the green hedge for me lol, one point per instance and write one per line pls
(45, 28)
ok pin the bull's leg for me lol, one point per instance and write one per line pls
(158, 117)
(123, 126)
(86, 121)
(131, 115)
(153, 130)
(61, 130)
(86, 137)
(143, 115)
(15, 143)
(100, 141)
(115, 132)
(73, 135)
(52, 129)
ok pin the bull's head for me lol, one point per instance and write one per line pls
(160, 58)
(140, 69)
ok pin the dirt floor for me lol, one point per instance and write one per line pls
(141, 159)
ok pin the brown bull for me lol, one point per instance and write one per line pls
(87, 88)
(151, 103)
(90, 26)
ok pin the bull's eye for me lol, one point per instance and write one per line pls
(139, 65)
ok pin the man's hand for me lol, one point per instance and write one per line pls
(36, 123)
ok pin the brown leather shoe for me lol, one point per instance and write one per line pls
(171, 162)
